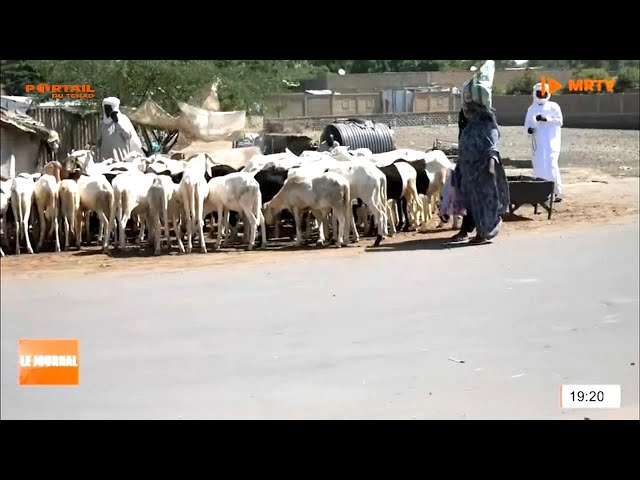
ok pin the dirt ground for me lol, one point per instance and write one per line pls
(614, 152)
(600, 172)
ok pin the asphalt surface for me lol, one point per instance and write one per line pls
(378, 335)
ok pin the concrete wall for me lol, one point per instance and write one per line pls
(393, 120)
(435, 102)
(374, 82)
(24, 146)
(618, 110)
(607, 111)
(292, 105)
(316, 106)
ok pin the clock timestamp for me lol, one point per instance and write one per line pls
(590, 396)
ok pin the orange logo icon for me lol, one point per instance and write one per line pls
(554, 86)
(48, 362)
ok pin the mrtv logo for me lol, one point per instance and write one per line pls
(62, 90)
(582, 85)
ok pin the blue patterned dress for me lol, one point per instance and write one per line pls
(485, 194)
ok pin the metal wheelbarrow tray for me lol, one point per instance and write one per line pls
(449, 148)
(525, 190)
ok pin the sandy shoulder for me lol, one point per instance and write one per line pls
(586, 204)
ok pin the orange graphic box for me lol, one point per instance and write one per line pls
(48, 362)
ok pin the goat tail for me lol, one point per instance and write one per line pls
(12, 166)
(71, 208)
(258, 207)
(159, 201)
(56, 202)
(111, 205)
(192, 202)
(164, 204)
(117, 203)
(18, 204)
(346, 198)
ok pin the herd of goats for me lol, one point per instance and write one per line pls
(338, 193)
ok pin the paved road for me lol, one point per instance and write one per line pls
(368, 336)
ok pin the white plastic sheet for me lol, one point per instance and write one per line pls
(194, 123)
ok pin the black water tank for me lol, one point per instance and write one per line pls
(356, 133)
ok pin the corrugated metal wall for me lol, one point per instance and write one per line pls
(75, 130)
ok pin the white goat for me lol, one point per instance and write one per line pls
(5, 192)
(437, 166)
(367, 183)
(324, 193)
(402, 183)
(131, 193)
(45, 194)
(193, 192)
(164, 202)
(239, 192)
(21, 201)
(69, 206)
(96, 195)
(235, 157)
(284, 160)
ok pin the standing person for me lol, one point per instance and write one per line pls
(117, 138)
(468, 225)
(453, 205)
(484, 187)
(328, 144)
(544, 122)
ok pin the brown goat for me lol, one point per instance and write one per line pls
(55, 168)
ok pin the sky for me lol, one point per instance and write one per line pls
(520, 61)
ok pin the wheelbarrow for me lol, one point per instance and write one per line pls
(449, 148)
(525, 190)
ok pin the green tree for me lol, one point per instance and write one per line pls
(628, 78)
(522, 85)
(611, 65)
(379, 66)
(15, 74)
(243, 83)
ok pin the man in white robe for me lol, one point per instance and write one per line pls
(544, 122)
(117, 137)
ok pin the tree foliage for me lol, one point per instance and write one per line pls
(243, 83)
(628, 78)
(15, 74)
(246, 84)
(381, 66)
(522, 85)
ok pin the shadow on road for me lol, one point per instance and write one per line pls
(88, 253)
(135, 251)
(437, 230)
(419, 244)
(129, 252)
(512, 217)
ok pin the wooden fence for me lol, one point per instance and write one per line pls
(75, 129)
